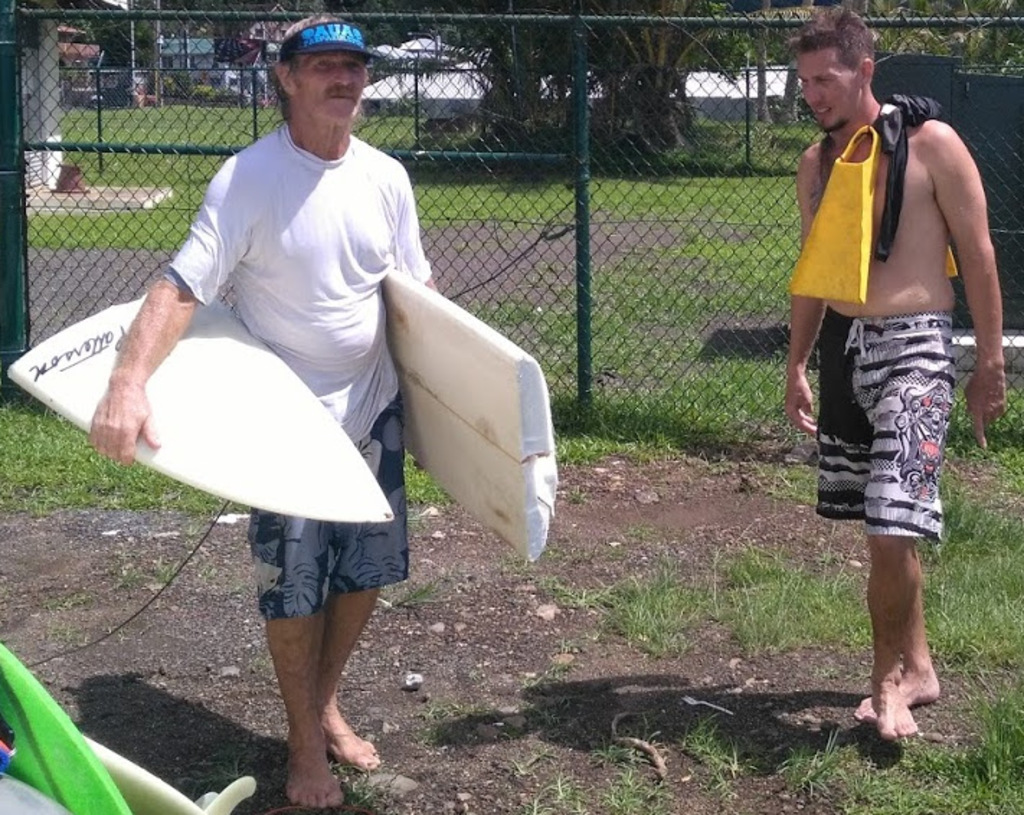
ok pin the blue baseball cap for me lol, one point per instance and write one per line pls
(332, 35)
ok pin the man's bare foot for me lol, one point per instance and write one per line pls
(345, 746)
(310, 780)
(895, 721)
(916, 690)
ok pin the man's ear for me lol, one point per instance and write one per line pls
(867, 70)
(283, 72)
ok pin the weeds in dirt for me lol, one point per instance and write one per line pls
(64, 635)
(813, 772)
(575, 495)
(616, 754)
(78, 599)
(128, 575)
(164, 570)
(131, 573)
(569, 596)
(456, 723)
(628, 793)
(718, 755)
(773, 605)
(562, 796)
(535, 807)
(791, 483)
(559, 667)
(217, 772)
(413, 596)
(525, 767)
(641, 533)
(361, 794)
(632, 793)
(655, 614)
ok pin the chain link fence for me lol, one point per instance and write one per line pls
(614, 193)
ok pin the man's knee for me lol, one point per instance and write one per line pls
(892, 549)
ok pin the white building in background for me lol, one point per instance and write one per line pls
(454, 91)
(40, 92)
(428, 73)
(724, 97)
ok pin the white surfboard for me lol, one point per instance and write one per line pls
(233, 418)
(478, 417)
(147, 794)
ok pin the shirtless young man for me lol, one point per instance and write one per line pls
(887, 372)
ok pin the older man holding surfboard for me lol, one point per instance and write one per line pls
(306, 223)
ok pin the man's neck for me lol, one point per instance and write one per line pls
(329, 142)
(868, 114)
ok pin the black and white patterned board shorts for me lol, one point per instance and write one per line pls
(886, 393)
(300, 561)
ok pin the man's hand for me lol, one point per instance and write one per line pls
(122, 417)
(986, 398)
(800, 403)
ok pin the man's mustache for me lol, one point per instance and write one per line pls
(338, 92)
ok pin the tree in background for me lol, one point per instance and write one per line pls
(982, 44)
(636, 74)
(640, 73)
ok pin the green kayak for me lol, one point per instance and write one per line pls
(51, 755)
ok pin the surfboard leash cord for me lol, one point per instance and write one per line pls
(552, 229)
(146, 605)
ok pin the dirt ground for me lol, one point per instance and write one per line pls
(519, 689)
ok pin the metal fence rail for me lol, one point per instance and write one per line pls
(616, 193)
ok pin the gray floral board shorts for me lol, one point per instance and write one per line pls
(300, 561)
(886, 394)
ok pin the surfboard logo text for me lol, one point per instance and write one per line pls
(83, 352)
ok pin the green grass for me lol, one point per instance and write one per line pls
(719, 757)
(812, 772)
(986, 777)
(49, 465)
(653, 614)
(656, 614)
(773, 605)
(632, 792)
(974, 585)
(562, 796)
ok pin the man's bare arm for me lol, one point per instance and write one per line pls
(123, 414)
(961, 199)
(805, 313)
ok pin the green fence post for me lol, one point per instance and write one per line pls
(255, 102)
(99, 109)
(416, 103)
(581, 139)
(13, 303)
(747, 116)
